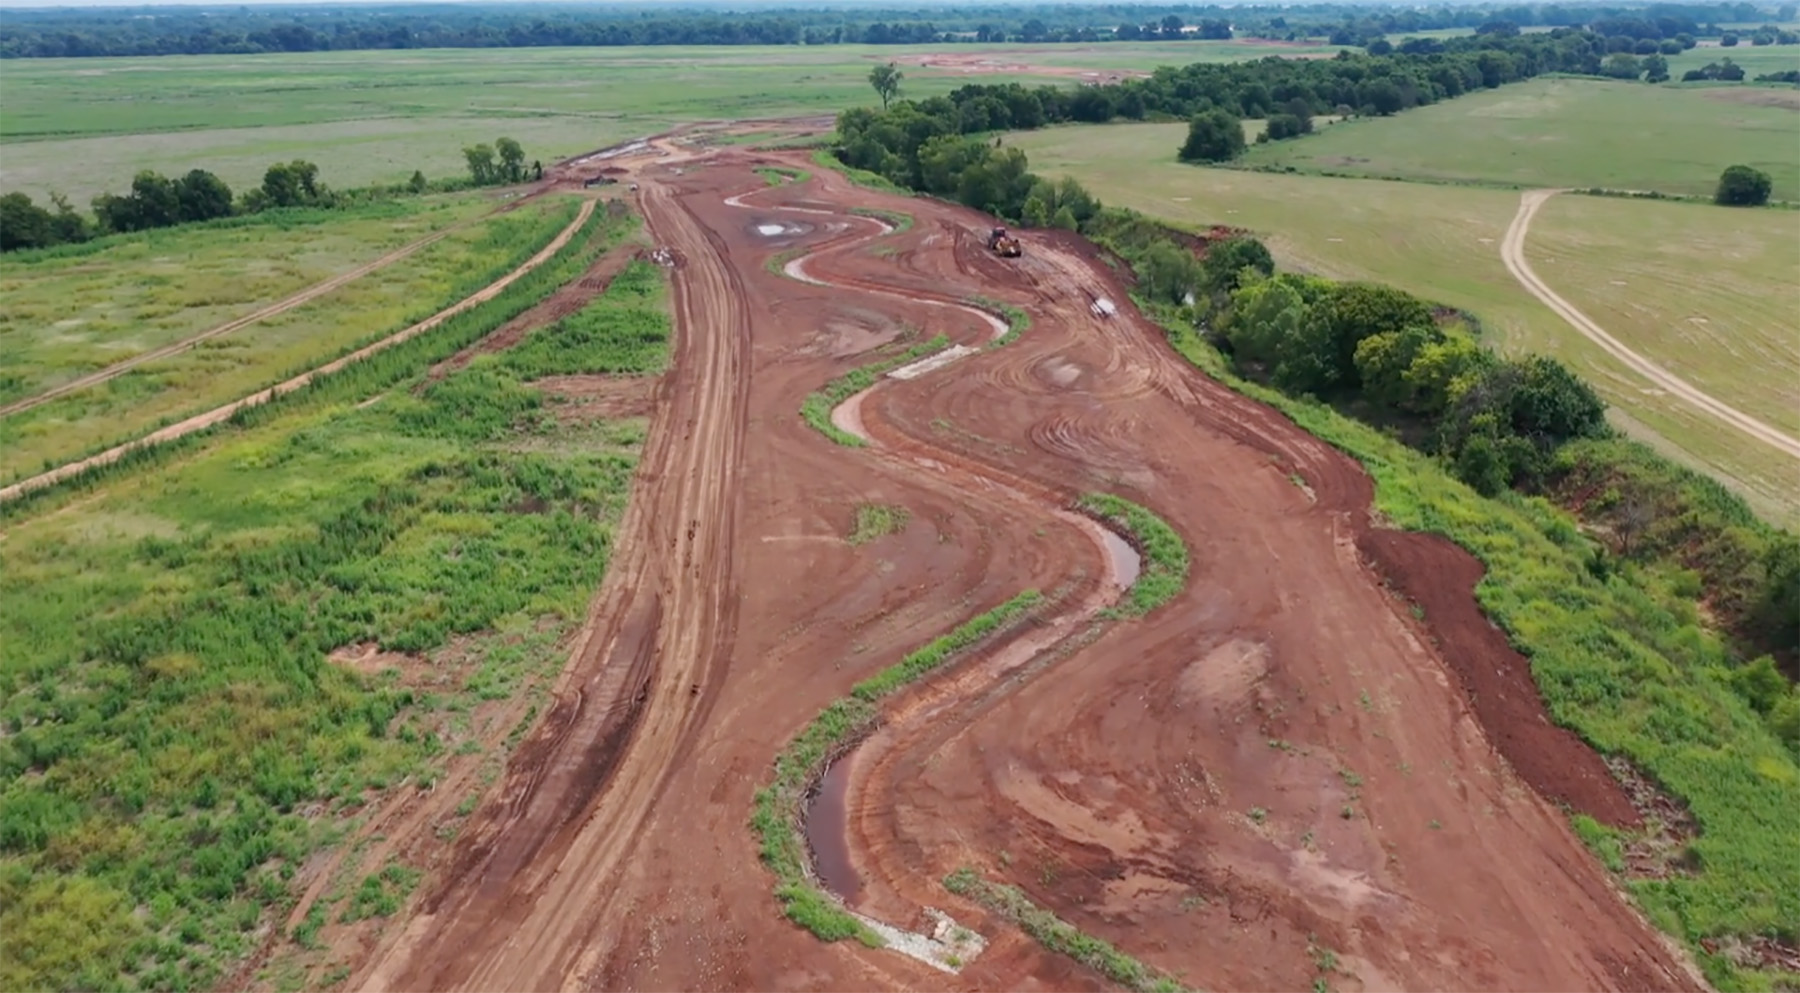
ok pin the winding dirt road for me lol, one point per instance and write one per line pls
(1512, 252)
(1279, 761)
(201, 422)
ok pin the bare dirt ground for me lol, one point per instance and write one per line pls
(985, 63)
(1278, 764)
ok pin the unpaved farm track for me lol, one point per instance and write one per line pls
(1277, 762)
(201, 422)
(276, 309)
(1512, 252)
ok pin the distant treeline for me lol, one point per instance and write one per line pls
(245, 31)
(157, 201)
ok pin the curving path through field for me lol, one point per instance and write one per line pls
(201, 422)
(1512, 252)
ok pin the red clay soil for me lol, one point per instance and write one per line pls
(1277, 762)
(1440, 577)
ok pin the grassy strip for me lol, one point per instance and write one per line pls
(1630, 669)
(1165, 566)
(378, 371)
(776, 175)
(1017, 321)
(816, 410)
(874, 520)
(900, 221)
(1059, 935)
(777, 263)
(861, 177)
(775, 816)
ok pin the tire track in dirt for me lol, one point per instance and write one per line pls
(518, 908)
(1512, 252)
(201, 422)
(276, 309)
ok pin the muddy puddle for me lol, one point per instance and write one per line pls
(827, 826)
(1126, 562)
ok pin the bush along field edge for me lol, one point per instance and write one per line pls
(1623, 640)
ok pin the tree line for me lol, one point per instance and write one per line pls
(157, 201)
(65, 33)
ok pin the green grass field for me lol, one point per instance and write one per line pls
(1711, 295)
(1567, 132)
(235, 365)
(1755, 59)
(84, 126)
(75, 310)
(176, 743)
(1442, 243)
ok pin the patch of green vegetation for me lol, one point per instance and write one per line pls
(625, 331)
(777, 176)
(255, 357)
(775, 817)
(895, 219)
(1017, 321)
(172, 723)
(380, 894)
(861, 177)
(1058, 935)
(1602, 840)
(1165, 566)
(1615, 662)
(874, 520)
(816, 409)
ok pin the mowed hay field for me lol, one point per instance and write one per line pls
(1443, 243)
(84, 126)
(235, 365)
(1711, 295)
(1569, 133)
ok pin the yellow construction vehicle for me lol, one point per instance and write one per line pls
(1003, 244)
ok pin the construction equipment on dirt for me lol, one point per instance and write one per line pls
(593, 181)
(1003, 244)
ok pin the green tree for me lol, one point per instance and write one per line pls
(1382, 96)
(1222, 268)
(292, 184)
(1167, 272)
(1742, 186)
(886, 80)
(417, 183)
(202, 196)
(1213, 136)
(512, 159)
(1383, 361)
(1443, 370)
(481, 164)
(1550, 403)
(23, 224)
(1656, 69)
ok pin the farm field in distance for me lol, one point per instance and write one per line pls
(85, 126)
(223, 369)
(1442, 242)
(1567, 133)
